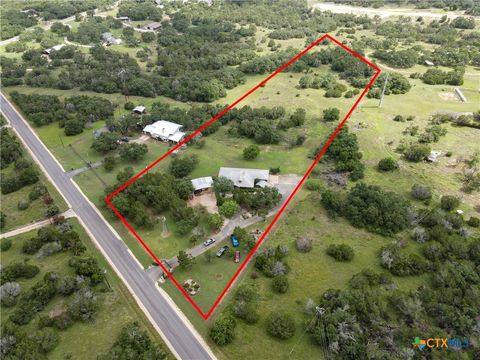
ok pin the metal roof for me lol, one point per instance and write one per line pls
(165, 130)
(202, 183)
(245, 178)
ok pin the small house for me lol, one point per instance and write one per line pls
(165, 131)
(429, 63)
(202, 184)
(139, 110)
(108, 39)
(123, 18)
(154, 26)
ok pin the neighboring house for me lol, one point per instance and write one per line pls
(154, 26)
(246, 178)
(433, 157)
(49, 50)
(165, 131)
(108, 39)
(139, 110)
(201, 184)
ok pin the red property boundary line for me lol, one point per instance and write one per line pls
(205, 316)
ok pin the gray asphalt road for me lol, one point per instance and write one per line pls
(164, 315)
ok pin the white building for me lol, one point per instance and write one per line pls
(245, 178)
(56, 48)
(165, 131)
(139, 109)
(203, 183)
(108, 39)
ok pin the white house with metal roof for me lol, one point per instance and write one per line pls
(246, 178)
(165, 131)
(56, 48)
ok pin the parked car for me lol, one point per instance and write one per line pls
(234, 239)
(237, 257)
(208, 242)
(221, 251)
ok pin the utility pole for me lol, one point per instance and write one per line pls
(383, 91)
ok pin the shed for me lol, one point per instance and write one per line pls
(139, 109)
(433, 157)
(203, 183)
(429, 63)
(153, 26)
(123, 18)
(56, 48)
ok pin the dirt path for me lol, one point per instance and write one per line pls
(67, 214)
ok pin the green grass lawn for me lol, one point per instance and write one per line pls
(116, 307)
(211, 276)
(36, 210)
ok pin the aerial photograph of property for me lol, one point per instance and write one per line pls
(239, 179)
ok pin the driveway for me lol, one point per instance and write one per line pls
(285, 185)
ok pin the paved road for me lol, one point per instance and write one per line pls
(177, 332)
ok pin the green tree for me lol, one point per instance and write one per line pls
(185, 260)
(109, 163)
(251, 152)
(331, 114)
(215, 221)
(133, 152)
(182, 166)
(223, 185)
(105, 142)
(229, 208)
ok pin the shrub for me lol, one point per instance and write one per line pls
(449, 202)
(5, 244)
(23, 205)
(331, 114)
(474, 222)
(280, 326)
(129, 105)
(340, 252)
(8, 293)
(417, 152)
(223, 331)
(399, 118)
(280, 284)
(313, 185)
(421, 192)
(387, 164)
(52, 210)
(303, 245)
